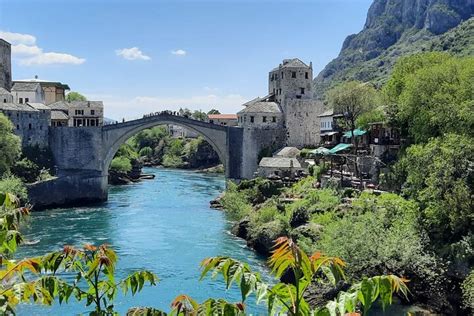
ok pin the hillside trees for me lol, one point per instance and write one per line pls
(431, 94)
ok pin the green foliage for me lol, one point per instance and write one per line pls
(386, 234)
(375, 115)
(13, 185)
(149, 137)
(121, 164)
(145, 152)
(213, 111)
(172, 161)
(439, 176)
(289, 298)
(431, 94)
(468, 291)
(199, 115)
(353, 99)
(235, 203)
(75, 96)
(26, 170)
(126, 150)
(10, 145)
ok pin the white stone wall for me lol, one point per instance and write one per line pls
(245, 120)
(32, 96)
(6, 98)
(302, 122)
(325, 123)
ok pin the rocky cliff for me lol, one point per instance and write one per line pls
(394, 28)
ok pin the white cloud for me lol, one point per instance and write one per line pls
(133, 53)
(179, 52)
(25, 50)
(18, 38)
(118, 107)
(52, 58)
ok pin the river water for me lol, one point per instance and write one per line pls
(164, 225)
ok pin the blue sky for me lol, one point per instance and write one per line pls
(144, 56)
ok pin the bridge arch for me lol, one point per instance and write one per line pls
(114, 135)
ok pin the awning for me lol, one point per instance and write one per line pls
(357, 132)
(320, 151)
(328, 133)
(339, 147)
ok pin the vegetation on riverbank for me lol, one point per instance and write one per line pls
(155, 147)
(424, 230)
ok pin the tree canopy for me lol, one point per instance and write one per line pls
(431, 94)
(10, 145)
(75, 96)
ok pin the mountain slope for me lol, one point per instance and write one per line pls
(399, 27)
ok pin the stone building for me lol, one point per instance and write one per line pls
(30, 122)
(290, 96)
(77, 113)
(52, 91)
(261, 114)
(24, 92)
(5, 96)
(5, 65)
(223, 119)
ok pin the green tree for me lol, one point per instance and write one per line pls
(213, 111)
(75, 96)
(121, 164)
(10, 145)
(199, 115)
(439, 175)
(431, 94)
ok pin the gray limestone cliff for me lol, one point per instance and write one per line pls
(393, 28)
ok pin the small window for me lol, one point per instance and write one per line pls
(302, 90)
(306, 75)
(280, 91)
(252, 119)
(293, 74)
(4, 100)
(264, 119)
(29, 115)
(274, 119)
(29, 126)
(17, 126)
(27, 100)
(92, 112)
(20, 100)
(282, 75)
(41, 127)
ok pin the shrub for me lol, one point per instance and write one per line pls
(27, 170)
(146, 152)
(468, 291)
(14, 185)
(121, 164)
(172, 161)
(235, 202)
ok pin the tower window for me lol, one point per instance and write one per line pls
(293, 74)
(252, 119)
(17, 126)
(279, 91)
(302, 90)
(274, 119)
(29, 126)
(4, 100)
(306, 75)
(282, 75)
(264, 119)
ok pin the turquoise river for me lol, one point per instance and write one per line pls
(164, 225)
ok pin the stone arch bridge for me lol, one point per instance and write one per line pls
(82, 155)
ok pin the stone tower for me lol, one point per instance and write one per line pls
(291, 86)
(5, 65)
(292, 79)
